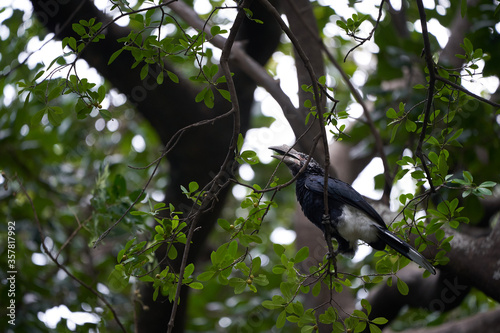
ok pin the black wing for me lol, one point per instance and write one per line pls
(344, 193)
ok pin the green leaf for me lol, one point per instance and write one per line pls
(79, 29)
(114, 56)
(433, 157)
(146, 278)
(394, 132)
(54, 116)
(468, 176)
(302, 254)
(463, 8)
(250, 157)
(410, 126)
(144, 71)
(442, 165)
(205, 276)
(391, 113)
(173, 77)
(316, 289)
(196, 285)
(379, 321)
(54, 93)
(105, 114)
(101, 92)
(402, 287)
(467, 45)
(37, 118)
(188, 270)
(239, 144)
(278, 249)
(208, 97)
(374, 328)
(193, 186)
(488, 184)
(366, 305)
(172, 253)
(215, 30)
(224, 224)
(280, 322)
(159, 78)
(199, 97)
(225, 94)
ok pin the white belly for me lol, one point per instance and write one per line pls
(354, 224)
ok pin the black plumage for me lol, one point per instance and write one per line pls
(351, 217)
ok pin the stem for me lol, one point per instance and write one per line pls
(430, 91)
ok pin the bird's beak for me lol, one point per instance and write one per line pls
(286, 154)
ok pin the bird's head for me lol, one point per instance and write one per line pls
(293, 159)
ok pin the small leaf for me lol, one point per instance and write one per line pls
(205, 276)
(379, 321)
(488, 184)
(173, 77)
(78, 28)
(159, 78)
(114, 56)
(144, 71)
(410, 126)
(374, 328)
(463, 8)
(196, 285)
(215, 30)
(280, 322)
(468, 176)
(224, 93)
(302, 254)
(402, 287)
(391, 113)
(37, 118)
(54, 116)
(394, 132)
(105, 114)
(199, 97)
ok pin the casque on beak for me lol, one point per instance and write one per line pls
(288, 155)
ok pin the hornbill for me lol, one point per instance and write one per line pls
(351, 217)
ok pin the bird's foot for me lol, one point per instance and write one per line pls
(331, 257)
(325, 220)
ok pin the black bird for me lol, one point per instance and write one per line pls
(351, 217)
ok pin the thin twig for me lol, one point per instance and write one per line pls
(364, 40)
(214, 184)
(62, 267)
(319, 109)
(430, 91)
(467, 92)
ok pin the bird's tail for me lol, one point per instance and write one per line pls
(404, 248)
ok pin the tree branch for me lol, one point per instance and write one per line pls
(430, 91)
(246, 63)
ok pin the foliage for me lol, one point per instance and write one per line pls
(61, 156)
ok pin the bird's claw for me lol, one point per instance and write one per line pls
(331, 257)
